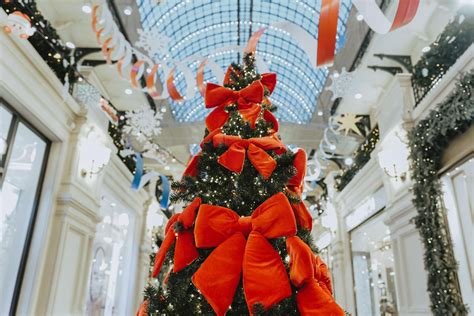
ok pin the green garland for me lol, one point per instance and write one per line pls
(361, 157)
(427, 142)
(450, 44)
(46, 40)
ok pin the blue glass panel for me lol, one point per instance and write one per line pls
(199, 27)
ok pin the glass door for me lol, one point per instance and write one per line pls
(23, 153)
(373, 269)
(458, 188)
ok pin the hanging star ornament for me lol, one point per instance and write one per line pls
(341, 83)
(151, 40)
(348, 122)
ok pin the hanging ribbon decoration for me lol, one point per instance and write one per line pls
(378, 22)
(325, 46)
(174, 94)
(327, 31)
(138, 172)
(320, 51)
(253, 40)
(200, 77)
(165, 195)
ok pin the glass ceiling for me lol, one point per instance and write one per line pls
(199, 27)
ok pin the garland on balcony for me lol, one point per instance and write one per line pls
(450, 44)
(361, 157)
(427, 142)
(46, 40)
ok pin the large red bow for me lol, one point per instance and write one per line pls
(254, 148)
(248, 102)
(311, 276)
(265, 279)
(295, 185)
(185, 250)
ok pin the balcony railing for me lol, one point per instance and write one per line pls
(438, 57)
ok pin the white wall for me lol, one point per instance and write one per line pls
(59, 261)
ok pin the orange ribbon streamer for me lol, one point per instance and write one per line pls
(253, 40)
(248, 101)
(327, 30)
(173, 92)
(265, 279)
(185, 251)
(311, 276)
(254, 148)
(134, 72)
(406, 11)
(200, 78)
(151, 82)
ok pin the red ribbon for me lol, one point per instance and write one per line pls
(327, 29)
(233, 158)
(295, 185)
(185, 250)
(265, 279)
(248, 101)
(143, 309)
(191, 168)
(311, 276)
(254, 148)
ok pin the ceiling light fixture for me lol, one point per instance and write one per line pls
(426, 49)
(128, 91)
(358, 96)
(320, 113)
(359, 17)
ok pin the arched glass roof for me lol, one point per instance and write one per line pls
(199, 27)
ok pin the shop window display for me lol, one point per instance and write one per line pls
(373, 269)
(458, 185)
(111, 261)
(23, 154)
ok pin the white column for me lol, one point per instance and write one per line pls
(66, 273)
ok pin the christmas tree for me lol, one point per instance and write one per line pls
(242, 245)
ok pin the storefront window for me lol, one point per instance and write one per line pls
(458, 185)
(110, 278)
(373, 267)
(23, 154)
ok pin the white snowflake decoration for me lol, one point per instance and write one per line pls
(143, 123)
(342, 84)
(87, 94)
(152, 41)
